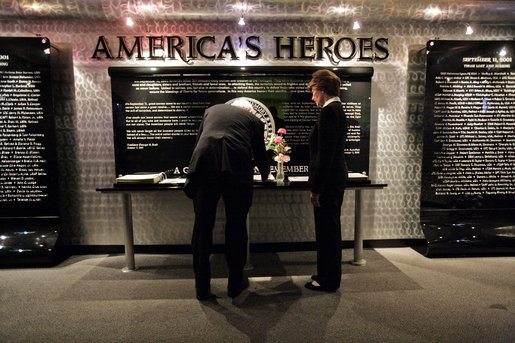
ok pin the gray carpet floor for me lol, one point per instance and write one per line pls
(398, 296)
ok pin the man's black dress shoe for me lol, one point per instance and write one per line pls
(321, 288)
(204, 297)
(234, 291)
(204, 294)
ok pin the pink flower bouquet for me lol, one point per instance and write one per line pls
(279, 146)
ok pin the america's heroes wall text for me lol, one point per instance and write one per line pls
(28, 178)
(469, 125)
(157, 113)
(212, 48)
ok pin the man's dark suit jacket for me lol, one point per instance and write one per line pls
(229, 143)
(327, 166)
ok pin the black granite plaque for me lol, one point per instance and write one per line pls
(157, 112)
(29, 211)
(28, 182)
(469, 125)
(468, 169)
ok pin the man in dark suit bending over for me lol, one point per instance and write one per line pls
(229, 143)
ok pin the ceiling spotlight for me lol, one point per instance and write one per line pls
(356, 25)
(470, 30)
(129, 21)
(241, 22)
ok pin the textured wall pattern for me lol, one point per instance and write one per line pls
(86, 155)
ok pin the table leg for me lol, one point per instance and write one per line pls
(358, 235)
(130, 264)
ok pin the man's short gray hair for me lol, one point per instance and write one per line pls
(242, 103)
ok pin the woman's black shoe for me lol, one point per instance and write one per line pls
(321, 288)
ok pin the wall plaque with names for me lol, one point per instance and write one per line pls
(469, 141)
(28, 178)
(469, 137)
(157, 111)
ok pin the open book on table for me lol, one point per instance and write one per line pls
(138, 178)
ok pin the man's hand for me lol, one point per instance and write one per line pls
(315, 199)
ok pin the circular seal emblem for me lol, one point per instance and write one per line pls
(263, 113)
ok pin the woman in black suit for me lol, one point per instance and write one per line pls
(328, 177)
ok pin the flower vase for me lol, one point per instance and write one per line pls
(279, 177)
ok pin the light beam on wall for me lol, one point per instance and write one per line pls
(432, 11)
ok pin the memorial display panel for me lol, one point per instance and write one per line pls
(157, 112)
(29, 208)
(468, 168)
(28, 182)
(469, 127)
